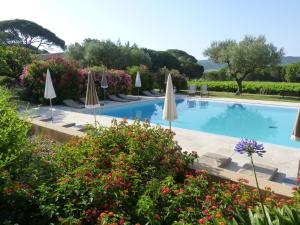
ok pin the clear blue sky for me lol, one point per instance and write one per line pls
(189, 25)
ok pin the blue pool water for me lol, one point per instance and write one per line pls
(260, 122)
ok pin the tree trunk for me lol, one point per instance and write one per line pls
(239, 90)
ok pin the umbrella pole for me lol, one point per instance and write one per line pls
(95, 116)
(51, 110)
(138, 92)
(170, 124)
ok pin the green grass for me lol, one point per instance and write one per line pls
(276, 98)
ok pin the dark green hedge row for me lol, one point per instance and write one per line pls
(267, 88)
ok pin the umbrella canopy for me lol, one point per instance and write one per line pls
(296, 132)
(138, 82)
(104, 81)
(49, 89)
(91, 100)
(170, 112)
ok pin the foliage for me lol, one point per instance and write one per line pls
(276, 216)
(244, 57)
(64, 74)
(188, 64)
(268, 88)
(12, 60)
(292, 72)
(123, 174)
(147, 77)
(93, 52)
(28, 34)
(179, 80)
(113, 55)
(7, 81)
(220, 74)
(13, 130)
(118, 80)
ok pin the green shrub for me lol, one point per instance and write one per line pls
(268, 88)
(13, 59)
(13, 130)
(106, 171)
(292, 72)
(64, 74)
(220, 74)
(179, 80)
(147, 78)
(7, 81)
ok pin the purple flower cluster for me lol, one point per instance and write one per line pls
(250, 147)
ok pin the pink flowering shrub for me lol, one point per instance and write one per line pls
(64, 74)
(118, 80)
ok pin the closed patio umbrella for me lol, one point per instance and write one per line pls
(169, 112)
(138, 82)
(49, 91)
(104, 83)
(91, 100)
(296, 132)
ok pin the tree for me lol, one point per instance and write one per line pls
(188, 64)
(94, 52)
(29, 34)
(292, 72)
(244, 57)
(13, 59)
(162, 59)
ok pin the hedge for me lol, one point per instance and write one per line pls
(267, 88)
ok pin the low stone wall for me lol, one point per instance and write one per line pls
(52, 131)
(63, 134)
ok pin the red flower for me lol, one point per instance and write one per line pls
(209, 217)
(205, 211)
(165, 191)
(157, 217)
(202, 221)
(88, 173)
(121, 221)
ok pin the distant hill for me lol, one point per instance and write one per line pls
(290, 59)
(210, 66)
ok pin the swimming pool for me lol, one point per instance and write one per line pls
(270, 124)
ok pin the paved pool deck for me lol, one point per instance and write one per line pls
(284, 158)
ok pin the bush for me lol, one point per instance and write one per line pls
(64, 74)
(292, 72)
(220, 74)
(147, 78)
(268, 88)
(7, 81)
(13, 130)
(13, 59)
(106, 171)
(179, 80)
(118, 80)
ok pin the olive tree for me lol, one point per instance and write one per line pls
(244, 57)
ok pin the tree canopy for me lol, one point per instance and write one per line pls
(28, 34)
(244, 57)
(94, 52)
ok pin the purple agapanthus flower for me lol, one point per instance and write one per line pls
(250, 147)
